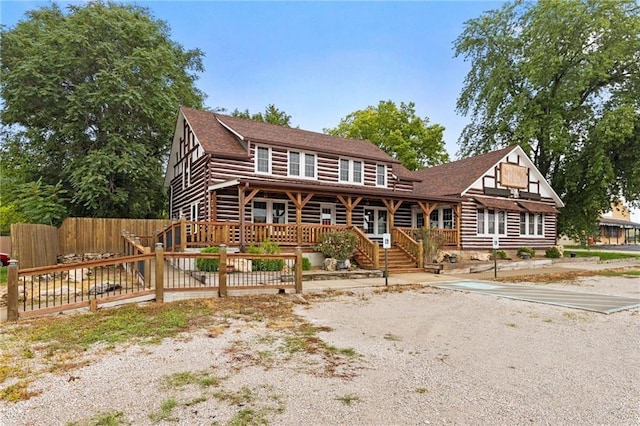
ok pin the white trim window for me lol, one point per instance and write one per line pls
(327, 214)
(269, 211)
(381, 175)
(263, 159)
(302, 164)
(350, 171)
(491, 222)
(532, 224)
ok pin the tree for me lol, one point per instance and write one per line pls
(397, 131)
(272, 115)
(560, 78)
(90, 100)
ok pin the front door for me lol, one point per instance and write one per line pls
(375, 221)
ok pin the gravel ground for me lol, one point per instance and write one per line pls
(422, 356)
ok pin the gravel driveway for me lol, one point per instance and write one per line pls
(421, 356)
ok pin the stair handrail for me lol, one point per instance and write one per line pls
(369, 249)
(412, 247)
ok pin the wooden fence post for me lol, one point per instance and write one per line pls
(12, 291)
(147, 269)
(376, 256)
(222, 272)
(159, 273)
(420, 254)
(298, 266)
(183, 234)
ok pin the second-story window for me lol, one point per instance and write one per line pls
(302, 164)
(310, 165)
(381, 175)
(263, 160)
(294, 164)
(350, 171)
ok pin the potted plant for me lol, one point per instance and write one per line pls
(526, 252)
(339, 245)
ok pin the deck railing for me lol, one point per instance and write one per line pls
(369, 249)
(449, 237)
(412, 247)
(184, 234)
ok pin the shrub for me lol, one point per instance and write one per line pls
(266, 247)
(306, 264)
(527, 250)
(552, 253)
(339, 245)
(432, 242)
(208, 265)
(501, 254)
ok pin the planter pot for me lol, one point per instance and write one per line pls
(572, 255)
(525, 256)
(453, 259)
(341, 264)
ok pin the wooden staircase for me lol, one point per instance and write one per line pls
(399, 260)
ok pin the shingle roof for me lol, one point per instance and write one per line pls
(451, 179)
(213, 137)
(216, 139)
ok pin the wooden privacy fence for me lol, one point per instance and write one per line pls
(39, 245)
(147, 276)
(34, 245)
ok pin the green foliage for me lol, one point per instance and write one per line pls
(266, 247)
(10, 214)
(432, 242)
(528, 250)
(306, 264)
(561, 79)
(501, 254)
(40, 203)
(208, 265)
(89, 100)
(552, 253)
(272, 115)
(398, 131)
(339, 245)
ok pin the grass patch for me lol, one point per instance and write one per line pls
(603, 255)
(17, 392)
(109, 418)
(241, 397)
(248, 417)
(624, 273)
(166, 408)
(348, 399)
(3, 274)
(422, 390)
(180, 380)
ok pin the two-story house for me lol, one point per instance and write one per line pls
(247, 181)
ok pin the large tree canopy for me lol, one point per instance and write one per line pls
(560, 78)
(271, 115)
(89, 105)
(397, 131)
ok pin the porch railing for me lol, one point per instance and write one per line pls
(449, 237)
(412, 247)
(370, 249)
(183, 234)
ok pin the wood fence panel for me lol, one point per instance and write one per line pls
(84, 235)
(34, 245)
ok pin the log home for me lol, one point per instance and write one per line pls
(238, 182)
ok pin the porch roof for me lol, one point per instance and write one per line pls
(337, 189)
(618, 223)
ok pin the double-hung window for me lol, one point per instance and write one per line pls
(532, 224)
(381, 175)
(491, 222)
(263, 159)
(302, 164)
(350, 171)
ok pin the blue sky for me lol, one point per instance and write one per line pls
(320, 61)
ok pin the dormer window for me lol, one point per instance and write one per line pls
(350, 171)
(381, 175)
(302, 164)
(263, 159)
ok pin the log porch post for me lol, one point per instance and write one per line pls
(349, 204)
(392, 207)
(299, 203)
